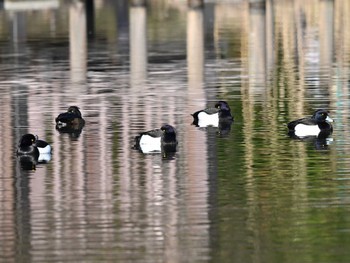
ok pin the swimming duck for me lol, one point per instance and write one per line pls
(157, 140)
(312, 126)
(212, 116)
(72, 118)
(27, 146)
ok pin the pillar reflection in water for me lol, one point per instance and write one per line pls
(255, 90)
(270, 32)
(138, 46)
(296, 97)
(68, 174)
(196, 93)
(257, 48)
(7, 191)
(326, 29)
(22, 207)
(326, 26)
(195, 58)
(138, 65)
(153, 200)
(196, 142)
(19, 32)
(77, 41)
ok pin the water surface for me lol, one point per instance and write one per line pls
(248, 193)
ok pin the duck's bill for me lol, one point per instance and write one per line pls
(329, 119)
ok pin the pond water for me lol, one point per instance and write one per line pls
(244, 193)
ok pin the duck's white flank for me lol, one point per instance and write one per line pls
(45, 150)
(302, 130)
(44, 157)
(205, 119)
(150, 144)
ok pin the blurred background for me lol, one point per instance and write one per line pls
(243, 193)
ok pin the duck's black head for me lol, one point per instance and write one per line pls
(222, 105)
(166, 128)
(169, 134)
(74, 110)
(224, 110)
(27, 140)
(322, 116)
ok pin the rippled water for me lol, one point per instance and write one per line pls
(248, 193)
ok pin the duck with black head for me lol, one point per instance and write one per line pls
(213, 116)
(157, 140)
(70, 121)
(72, 117)
(27, 146)
(318, 123)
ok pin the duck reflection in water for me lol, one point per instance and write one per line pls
(222, 130)
(320, 142)
(219, 117)
(161, 140)
(27, 162)
(70, 122)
